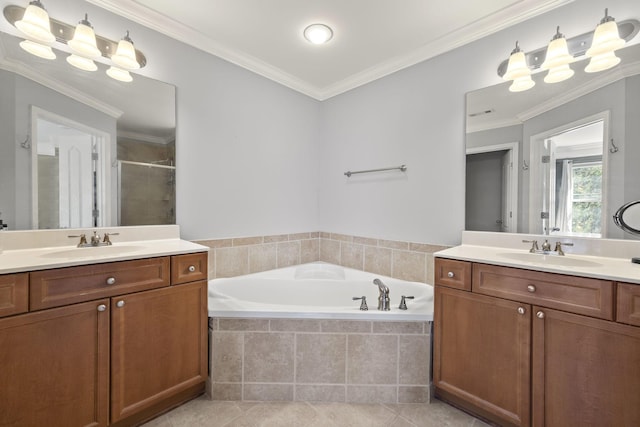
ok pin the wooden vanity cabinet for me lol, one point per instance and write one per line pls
(14, 294)
(118, 360)
(482, 354)
(54, 367)
(584, 370)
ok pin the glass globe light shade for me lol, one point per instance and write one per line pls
(606, 38)
(521, 84)
(602, 62)
(82, 63)
(119, 74)
(35, 24)
(558, 74)
(517, 67)
(84, 40)
(318, 33)
(125, 56)
(557, 53)
(38, 49)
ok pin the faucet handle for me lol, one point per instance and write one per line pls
(363, 304)
(83, 238)
(559, 246)
(534, 245)
(106, 240)
(403, 302)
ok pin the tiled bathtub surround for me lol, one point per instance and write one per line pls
(319, 360)
(401, 260)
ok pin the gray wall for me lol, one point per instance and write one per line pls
(8, 148)
(256, 158)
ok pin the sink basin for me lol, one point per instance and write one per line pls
(91, 252)
(550, 259)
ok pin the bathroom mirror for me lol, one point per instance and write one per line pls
(524, 149)
(124, 133)
(628, 217)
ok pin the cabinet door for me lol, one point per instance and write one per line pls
(159, 346)
(54, 367)
(586, 372)
(482, 355)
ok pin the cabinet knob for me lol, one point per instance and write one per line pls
(111, 280)
(521, 310)
(120, 304)
(531, 288)
(102, 307)
(450, 275)
(540, 315)
(192, 268)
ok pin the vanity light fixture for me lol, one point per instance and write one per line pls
(41, 32)
(35, 23)
(518, 71)
(606, 40)
(561, 52)
(557, 59)
(318, 33)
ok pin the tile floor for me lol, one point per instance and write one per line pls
(206, 413)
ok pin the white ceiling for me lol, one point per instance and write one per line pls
(372, 38)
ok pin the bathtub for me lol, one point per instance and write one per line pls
(316, 291)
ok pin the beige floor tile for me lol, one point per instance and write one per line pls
(202, 412)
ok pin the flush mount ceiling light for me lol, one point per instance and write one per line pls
(318, 33)
(562, 51)
(82, 41)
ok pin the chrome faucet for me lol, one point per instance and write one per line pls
(383, 298)
(95, 239)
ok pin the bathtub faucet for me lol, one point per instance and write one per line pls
(383, 299)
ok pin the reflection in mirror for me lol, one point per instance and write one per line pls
(566, 174)
(133, 124)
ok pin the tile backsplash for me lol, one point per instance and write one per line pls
(398, 259)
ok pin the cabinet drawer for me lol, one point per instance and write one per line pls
(628, 310)
(592, 297)
(14, 294)
(189, 268)
(62, 286)
(452, 273)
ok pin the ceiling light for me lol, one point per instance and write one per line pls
(119, 74)
(557, 60)
(125, 56)
(318, 33)
(84, 40)
(38, 49)
(35, 23)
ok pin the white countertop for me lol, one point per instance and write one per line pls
(618, 269)
(42, 249)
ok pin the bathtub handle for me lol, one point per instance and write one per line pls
(403, 302)
(363, 304)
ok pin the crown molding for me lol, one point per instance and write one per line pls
(163, 24)
(53, 84)
(596, 83)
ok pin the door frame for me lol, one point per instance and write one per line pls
(512, 178)
(103, 174)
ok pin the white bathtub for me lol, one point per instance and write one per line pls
(316, 291)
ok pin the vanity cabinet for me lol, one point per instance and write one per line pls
(105, 344)
(14, 294)
(527, 348)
